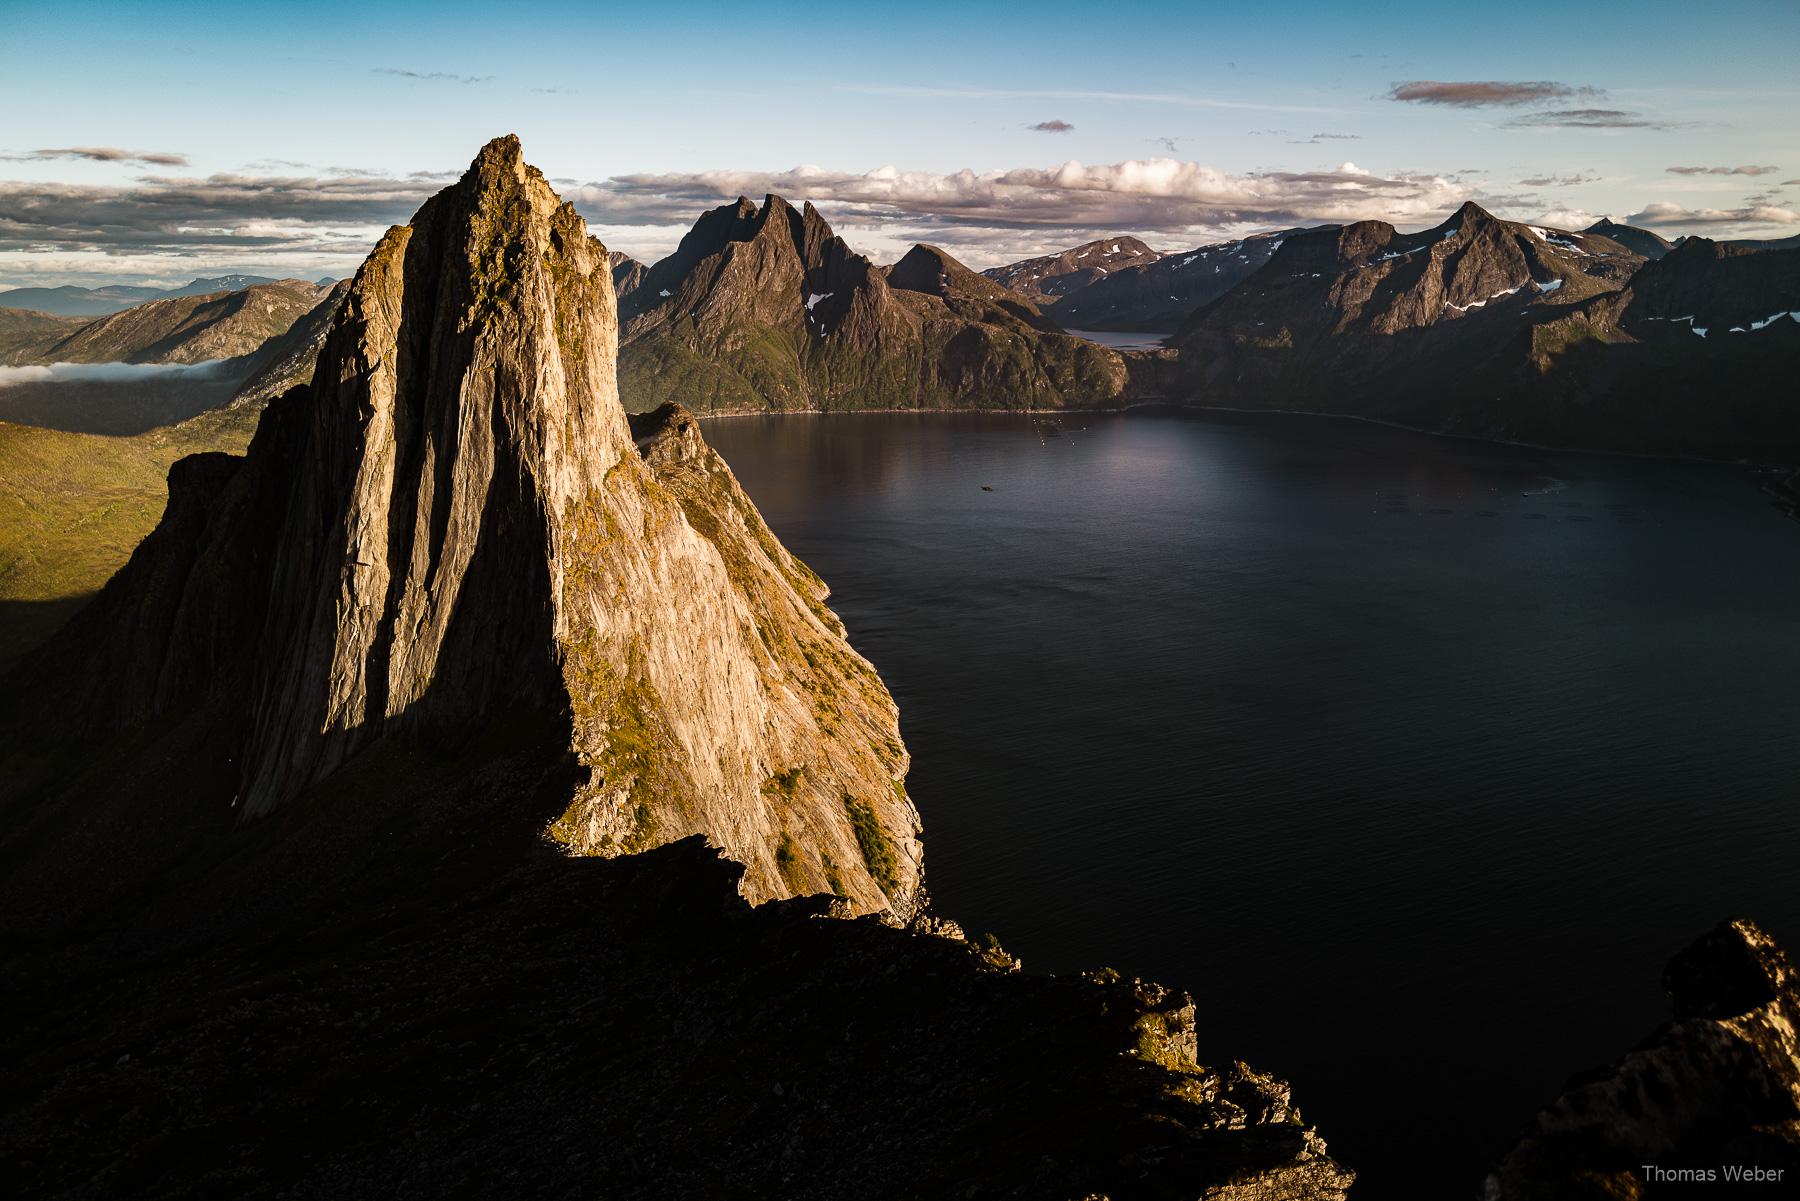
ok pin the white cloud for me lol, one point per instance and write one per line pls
(63, 373)
(1001, 211)
(1667, 215)
(1576, 219)
(324, 221)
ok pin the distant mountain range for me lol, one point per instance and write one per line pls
(1478, 326)
(1158, 295)
(247, 345)
(190, 327)
(1052, 276)
(1514, 332)
(766, 308)
(1481, 326)
(70, 301)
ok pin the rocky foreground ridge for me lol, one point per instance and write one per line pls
(1715, 1092)
(355, 836)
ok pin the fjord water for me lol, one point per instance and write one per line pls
(1414, 759)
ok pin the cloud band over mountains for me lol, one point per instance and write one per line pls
(264, 216)
(1151, 194)
(325, 220)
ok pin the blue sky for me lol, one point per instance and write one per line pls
(285, 137)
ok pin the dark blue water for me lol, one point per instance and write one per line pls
(1413, 780)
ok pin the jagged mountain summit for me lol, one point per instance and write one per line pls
(764, 308)
(1157, 296)
(1050, 276)
(1506, 331)
(459, 489)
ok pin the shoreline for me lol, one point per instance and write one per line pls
(1177, 407)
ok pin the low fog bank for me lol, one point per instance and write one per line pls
(116, 398)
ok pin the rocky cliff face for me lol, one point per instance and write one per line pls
(1715, 1089)
(1050, 276)
(766, 309)
(459, 489)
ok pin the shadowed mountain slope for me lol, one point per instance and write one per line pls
(1648, 243)
(1506, 331)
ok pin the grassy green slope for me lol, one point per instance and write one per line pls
(74, 506)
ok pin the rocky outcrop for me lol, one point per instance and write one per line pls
(521, 1024)
(765, 309)
(459, 489)
(1714, 1092)
(1050, 276)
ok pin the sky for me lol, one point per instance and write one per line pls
(157, 142)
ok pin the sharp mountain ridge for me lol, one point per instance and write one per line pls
(764, 307)
(1050, 276)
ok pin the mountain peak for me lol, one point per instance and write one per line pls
(931, 269)
(503, 151)
(453, 524)
(1470, 214)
